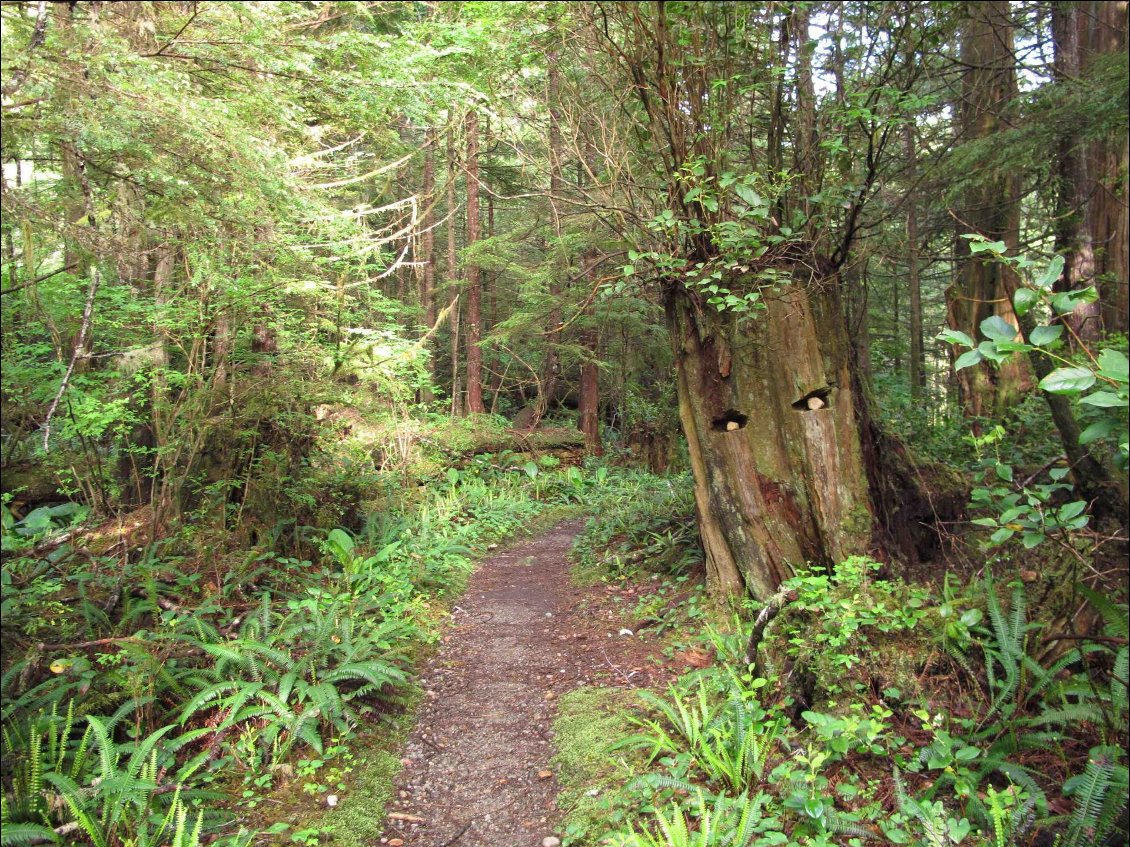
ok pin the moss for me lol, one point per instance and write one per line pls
(590, 774)
(858, 521)
(358, 819)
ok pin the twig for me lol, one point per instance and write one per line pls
(457, 835)
(626, 677)
(91, 290)
(403, 816)
(39, 278)
(771, 609)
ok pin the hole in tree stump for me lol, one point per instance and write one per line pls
(814, 400)
(729, 421)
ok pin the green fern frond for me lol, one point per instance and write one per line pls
(20, 834)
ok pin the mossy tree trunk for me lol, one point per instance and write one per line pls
(766, 403)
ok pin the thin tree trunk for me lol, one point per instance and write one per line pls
(917, 356)
(428, 251)
(551, 365)
(589, 403)
(474, 273)
(453, 276)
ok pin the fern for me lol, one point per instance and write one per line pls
(18, 834)
(1100, 797)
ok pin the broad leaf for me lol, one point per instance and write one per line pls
(1114, 365)
(956, 336)
(1051, 273)
(1095, 431)
(996, 247)
(1067, 381)
(1024, 300)
(1104, 400)
(1042, 336)
(968, 359)
(998, 329)
(1002, 535)
(1068, 301)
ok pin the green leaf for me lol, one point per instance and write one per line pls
(1071, 510)
(1067, 381)
(1024, 300)
(1114, 365)
(1002, 535)
(1004, 472)
(1031, 539)
(989, 350)
(968, 359)
(998, 329)
(1044, 335)
(751, 197)
(1067, 301)
(984, 521)
(1097, 430)
(1051, 273)
(996, 247)
(341, 541)
(1104, 400)
(956, 336)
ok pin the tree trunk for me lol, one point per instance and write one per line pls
(1102, 31)
(992, 209)
(551, 365)
(1073, 223)
(589, 404)
(474, 274)
(917, 355)
(772, 434)
(453, 276)
(428, 251)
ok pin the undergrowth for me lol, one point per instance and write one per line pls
(164, 698)
(877, 712)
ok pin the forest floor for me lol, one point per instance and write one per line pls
(478, 764)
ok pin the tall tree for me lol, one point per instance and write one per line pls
(474, 272)
(990, 206)
(765, 399)
(428, 249)
(453, 305)
(913, 278)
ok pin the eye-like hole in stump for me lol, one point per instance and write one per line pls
(730, 420)
(813, 400)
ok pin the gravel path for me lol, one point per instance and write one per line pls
(477, 766)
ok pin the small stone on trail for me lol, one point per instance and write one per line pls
(549, 614)
(549, 695)
(545, 774)
(331, 801)
(626, 631)
(396, 842)
(551, 841)
(406, 762)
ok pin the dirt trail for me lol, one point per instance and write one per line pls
(477, 765)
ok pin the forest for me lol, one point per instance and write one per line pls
(612, 422)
